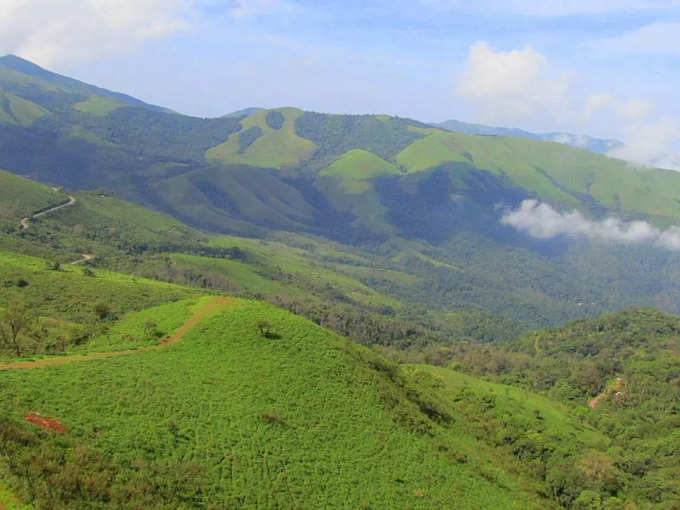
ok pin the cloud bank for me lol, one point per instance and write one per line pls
(56, 33)
(520, 88)
(512, 86)
(541, 221)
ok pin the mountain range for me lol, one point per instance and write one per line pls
(150, 262)
(373, 183)
(600, 145)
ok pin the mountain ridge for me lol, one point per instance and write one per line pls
(599, 145)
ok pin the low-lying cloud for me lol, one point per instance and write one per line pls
(541, 221)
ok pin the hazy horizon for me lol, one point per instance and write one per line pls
(584, 67)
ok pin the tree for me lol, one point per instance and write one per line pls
(102, 311)
(265, 328)
(16, 320)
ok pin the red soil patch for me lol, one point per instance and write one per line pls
(46, 423)
(615, 387)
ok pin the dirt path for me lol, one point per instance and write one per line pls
(213, 306)
(25, 222)
(83, 258)
(615, 386)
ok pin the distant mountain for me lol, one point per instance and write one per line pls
(362, 180)
(32, 82)
(245, 112)
(599, 145)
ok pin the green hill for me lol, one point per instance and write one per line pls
(376, 184)
(228, 417)
(626, 368)
(20, 198)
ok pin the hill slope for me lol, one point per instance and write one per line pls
(227, 417)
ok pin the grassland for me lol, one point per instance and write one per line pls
(16, 110)
(21, 197)
(70, 294)
(273, 149)
(230, 418)
(99, 105)
(359, 165)
(555, 172)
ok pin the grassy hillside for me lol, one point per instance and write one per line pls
(20, 198)
(227, 417)
(68, 305)
(273, 144)
(626, 368)
(15, 110)
(565, 176)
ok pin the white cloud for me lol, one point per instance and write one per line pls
(53, 33)
(541, 221)
(513, 86)
(521, 89)
(656, 38)
(634, 109)
(651, 144)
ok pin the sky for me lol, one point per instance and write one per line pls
(607, 68)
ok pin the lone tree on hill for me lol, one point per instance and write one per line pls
(265, 328)
(14, 322)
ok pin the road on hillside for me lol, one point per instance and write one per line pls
(83, 258)
(25, 221)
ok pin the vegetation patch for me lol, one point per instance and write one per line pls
(275, 148)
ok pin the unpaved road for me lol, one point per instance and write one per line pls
(213, 306)
(25, 222)
(83, 258)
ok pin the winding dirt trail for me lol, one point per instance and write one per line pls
(25, 222)
(83, 258)
(215, 305)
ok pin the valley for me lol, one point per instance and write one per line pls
(287, 309)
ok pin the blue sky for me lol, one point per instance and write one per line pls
(606, 68)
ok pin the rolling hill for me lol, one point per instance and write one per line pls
(377, 185)
(153, 373)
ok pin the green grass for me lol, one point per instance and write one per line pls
(145, 327)
(276, 270)
(347, 183)
(103, 217)
(555, 172)
(558, 420)
(69, 295)
(8, 501)
(275, 148)
(229, 419)
(359, 165)
(21, 197)
(18, 110)
(99, 105)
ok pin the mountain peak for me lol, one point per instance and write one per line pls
(25, 66)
